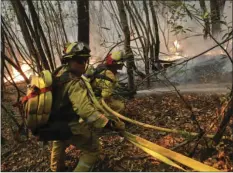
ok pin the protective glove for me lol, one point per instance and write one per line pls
(116, 125)
(101, 122)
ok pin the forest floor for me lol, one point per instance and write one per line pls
(165, 110)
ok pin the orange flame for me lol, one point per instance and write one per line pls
(17, 77)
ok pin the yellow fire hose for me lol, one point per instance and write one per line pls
(181, 132)
(95, 101)
(162, 153)
(154, 150)
(191, 163)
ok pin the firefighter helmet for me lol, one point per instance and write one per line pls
(76, 49)
(115, 58)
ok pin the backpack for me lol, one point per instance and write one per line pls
(37, 103)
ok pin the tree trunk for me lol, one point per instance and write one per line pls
(18, 65)
(206, 20)
(136, 28)
(17, 42)
(62, 21)
(156, 31)
(2, 63)
(149, 48)
(215, 17)
(222, 5)
(83, 21)
(128, 50)
(54, 27)
(39, 32)
(49, 33)
(25, 32)
(6, 29)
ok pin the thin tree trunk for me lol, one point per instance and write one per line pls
(135, 25)
(206, 20)
(164, 37)
(116, 16)
(147, 38)
(2, 64)
(15, 58)
(49, 34)
(62, 21)
(26, 33)
(17, 46)
(137, 31)
(156, 31)
(39, 32)
(215, 17)
(15, 38)
(56, 18)
(140, 26)
(128, 50)
(150, 45)
(83, 21)
(56, 40)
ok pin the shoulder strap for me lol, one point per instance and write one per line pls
(55, 72)
(97, 75)
(67, 76)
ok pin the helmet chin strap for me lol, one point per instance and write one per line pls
(87, 65)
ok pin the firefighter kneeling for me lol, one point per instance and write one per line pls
(104, 81)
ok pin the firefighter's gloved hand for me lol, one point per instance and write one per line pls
(116, 125)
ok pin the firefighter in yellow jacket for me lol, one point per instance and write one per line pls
(104, 80)
(71, 102)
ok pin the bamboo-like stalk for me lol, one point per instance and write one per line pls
(181, 132)
(191, 163)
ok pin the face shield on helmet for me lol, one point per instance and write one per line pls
(77, 51)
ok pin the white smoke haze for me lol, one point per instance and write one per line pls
(190, 46)
(105, 32)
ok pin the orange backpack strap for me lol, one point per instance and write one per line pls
(36, 91)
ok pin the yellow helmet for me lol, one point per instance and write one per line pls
(115, 58)
(76, 49)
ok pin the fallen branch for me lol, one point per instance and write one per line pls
(182, 144)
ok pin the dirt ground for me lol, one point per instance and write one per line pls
(165, 110)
